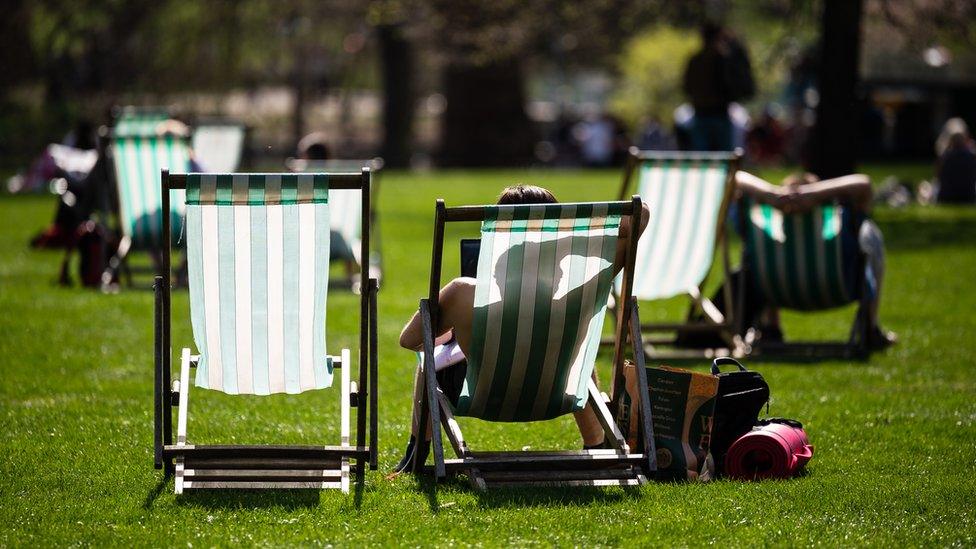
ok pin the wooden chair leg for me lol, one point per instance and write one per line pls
(431, 391)
(647, 424)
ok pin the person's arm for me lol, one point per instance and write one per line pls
(854, 188)
(412, 336)
(623, 236)
(757, 188)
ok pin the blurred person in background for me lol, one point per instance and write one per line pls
(716, 76)
(955, 167)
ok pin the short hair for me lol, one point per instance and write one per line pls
(526, 194)
(797, 179)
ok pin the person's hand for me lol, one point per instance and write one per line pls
(444, 338)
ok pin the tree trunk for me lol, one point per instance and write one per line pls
(834, 142)
(485, 122)
(396, 59)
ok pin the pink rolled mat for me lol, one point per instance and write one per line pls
(775, 450)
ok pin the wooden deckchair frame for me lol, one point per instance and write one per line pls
(856, 344)
(280, 466)
(375, 165)
(567, 468)
(724, 325)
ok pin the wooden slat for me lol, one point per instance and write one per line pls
(517, 462)
(232, 485)
(568, 483)
(266, 464)
(264, 452)
(281, 474)
(557, 475)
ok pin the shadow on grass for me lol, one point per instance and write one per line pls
(546, 496)
(927, 227)
(250, 499)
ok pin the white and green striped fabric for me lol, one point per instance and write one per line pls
(544, 275)
(258, 260)
(674, 254)
(136, 122)
(797, 260)
(218, 147)
(138, 161)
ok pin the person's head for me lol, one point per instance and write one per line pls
(711, 33)
(313, 147)
(526, 194)
(797, 179)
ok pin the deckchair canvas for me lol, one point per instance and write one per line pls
(257, 254)
(347, 208)
(796, 262)
(544, 276)
(137, 162)
(688, 196)
(139, 121)
(219, 146)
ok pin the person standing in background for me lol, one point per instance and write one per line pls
(717, 75)
(956, 164)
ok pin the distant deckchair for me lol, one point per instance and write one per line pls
(137, 161)
(688, 194)
(348, 211)
(257, 252)
(544, 276)
(219, 145)
(132, 120)
(796, 262)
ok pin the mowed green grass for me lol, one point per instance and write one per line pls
(895, 439)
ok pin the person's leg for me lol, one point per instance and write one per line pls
(871, 242)
(589, 425)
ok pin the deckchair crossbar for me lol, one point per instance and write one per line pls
(269, 452)
(336, 180)
(480, 213)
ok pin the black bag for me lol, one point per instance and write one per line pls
(741, 396)
(95, 245)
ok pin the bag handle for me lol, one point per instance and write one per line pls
(724, 361)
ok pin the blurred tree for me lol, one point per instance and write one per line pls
(651, 67)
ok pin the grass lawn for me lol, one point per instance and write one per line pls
(895, 437)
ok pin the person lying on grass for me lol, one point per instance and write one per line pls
(803, 192)
(456, 306)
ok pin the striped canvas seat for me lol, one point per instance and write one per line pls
(258, 259)
(544, 276)
(218, 147)
(797, 260)
(138, 161)
(138, 122)
(685, 196)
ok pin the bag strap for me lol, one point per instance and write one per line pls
(724, 361)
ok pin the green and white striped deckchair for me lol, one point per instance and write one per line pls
(688, 195)
(219, 146)
(545, 273)
(797, 262)
(347, 207)
(139, 160)
(258, 261)
(139, 121)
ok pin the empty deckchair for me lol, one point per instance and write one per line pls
(348, 211)
(688, 194)
(257, 252)
(544, 275)
(137, 161)
(219, 145)
(796, 261)
(138, 120)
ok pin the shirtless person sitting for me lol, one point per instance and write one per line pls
(456, 309)
(803, 192)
